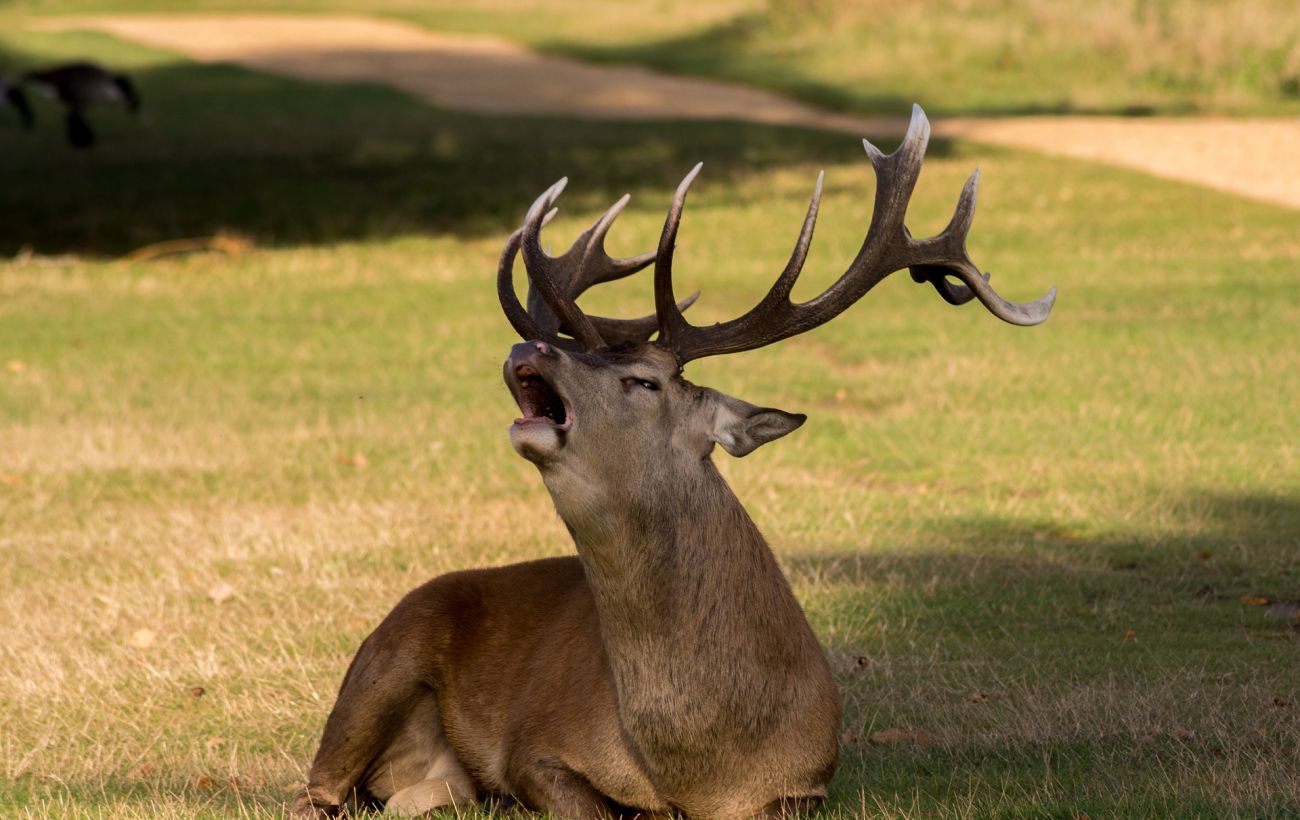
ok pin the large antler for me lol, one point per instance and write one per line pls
(555, 282)
(888, 247)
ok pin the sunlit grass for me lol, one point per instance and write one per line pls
(1061, 520)
(952, 56)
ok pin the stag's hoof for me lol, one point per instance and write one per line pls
(309, 807)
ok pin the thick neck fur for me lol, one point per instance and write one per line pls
(704, 636)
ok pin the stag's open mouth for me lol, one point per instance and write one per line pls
(539, 401)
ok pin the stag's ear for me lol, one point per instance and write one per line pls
(741, 428)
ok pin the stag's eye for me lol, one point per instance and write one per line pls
(645, 384)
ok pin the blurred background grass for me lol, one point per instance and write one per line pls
(1037, 551)
(951, 56)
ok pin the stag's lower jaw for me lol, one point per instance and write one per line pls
(540, 432)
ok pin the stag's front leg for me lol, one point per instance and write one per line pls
(561, 792)
(790, 807)
(384, 737)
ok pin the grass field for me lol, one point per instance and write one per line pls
(952, 56)
(1063, 561)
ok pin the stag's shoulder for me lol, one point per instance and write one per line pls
(520, 577)
(459, 610)
(466, 596)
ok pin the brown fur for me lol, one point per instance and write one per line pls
(667, 667)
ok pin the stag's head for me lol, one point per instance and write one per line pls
(590, 387)
(631, 403)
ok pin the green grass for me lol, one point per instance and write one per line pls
(1062, 519)
(952, 56)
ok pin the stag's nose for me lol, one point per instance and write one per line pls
(532, 349)
(527, 354)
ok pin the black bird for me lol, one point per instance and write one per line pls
(14, 97)
(79, 85)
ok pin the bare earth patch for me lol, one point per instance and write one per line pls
(1257, 158)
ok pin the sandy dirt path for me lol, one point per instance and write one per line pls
(1257, 158)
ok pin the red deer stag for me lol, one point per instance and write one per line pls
(667, 667)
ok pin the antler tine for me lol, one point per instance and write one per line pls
(671, 322)
(523, 321)
(780, 292)
(584, 264)
(688, 341)
(633, 331)
(543, 275)
(948, 248)
(597, 265)
(526, 323)
(775, 317)
(951, 292)
(546, 199)
(956, 231)
(515, 313)
(896, 176)
(888, 247)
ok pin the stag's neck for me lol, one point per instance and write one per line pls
(659, 555)
(692, 603)
(709, 653)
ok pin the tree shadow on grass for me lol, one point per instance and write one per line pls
(286, 162)
(1169, 627)
(1249, 538)
(1235, 565)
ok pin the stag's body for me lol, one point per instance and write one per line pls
(668, 667)
(627, 676)
(483, 682)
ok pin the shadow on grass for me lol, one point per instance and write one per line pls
(1227, 578)
(1096, 648)
(1217, 525)
(286, 162)
(1248, 538)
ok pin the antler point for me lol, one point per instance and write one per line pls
(918, 129)
(873, 153)
(686, 183)
(617, 208)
